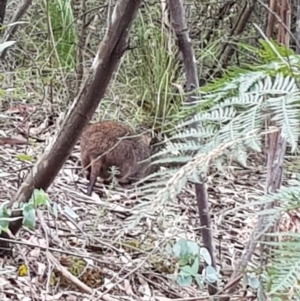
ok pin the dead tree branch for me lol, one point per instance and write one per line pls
(285, 24)
(229, 48)
(10, 31)
(271, 18)
(223, 11)
(2, 11)
(298, 28)
(189, 60)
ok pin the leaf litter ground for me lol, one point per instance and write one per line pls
(91, 248)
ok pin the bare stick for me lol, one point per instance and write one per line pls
(189, 60)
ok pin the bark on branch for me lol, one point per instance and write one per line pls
(229, 47)
(2, 11)
(192, 84)
(10, 31)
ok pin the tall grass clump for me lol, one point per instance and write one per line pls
(149, 70)
(62, 32)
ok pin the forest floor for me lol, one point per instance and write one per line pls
(90, 255)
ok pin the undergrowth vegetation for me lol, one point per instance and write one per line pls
(148, 87)
(147, 91)
(149, 70)
(232, 123)
(63, 36)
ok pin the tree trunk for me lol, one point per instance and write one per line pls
(2, 11)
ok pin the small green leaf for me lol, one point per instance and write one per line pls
(193, 247)
(245, 281)
(169, 248)
(186, 270)
(183, 243)
(205, 255)
(183, 261)
(69, 211)
(211, 274)
(29, 217)
(24, 157)
(261, 293)
(39, 197)
(4, 211)
(53, 210)
(199, 280)
(195, 266)
(4, 224)
(184, 281)
(4, 217)
(180, 248)
(253, 281)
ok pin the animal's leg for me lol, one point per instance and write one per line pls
(85, 161)
(88, 173)
(95, 170)
(124, 174)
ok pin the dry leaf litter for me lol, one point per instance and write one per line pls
(92, 255)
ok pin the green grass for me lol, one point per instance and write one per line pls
(147, 72)
(62, 32)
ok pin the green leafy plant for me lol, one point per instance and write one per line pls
(64, 36)
(150, 69)
(190, 255)
(38, 198)
(4, 216)
(232, 113)
(24, 157)
(232, 121)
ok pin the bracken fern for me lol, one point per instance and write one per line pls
(231, 116)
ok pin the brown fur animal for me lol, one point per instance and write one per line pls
(102, 140)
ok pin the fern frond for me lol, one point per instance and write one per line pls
(233, 110)
(284, 268)
(256, 96)
(278, 97)
(194, 167)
